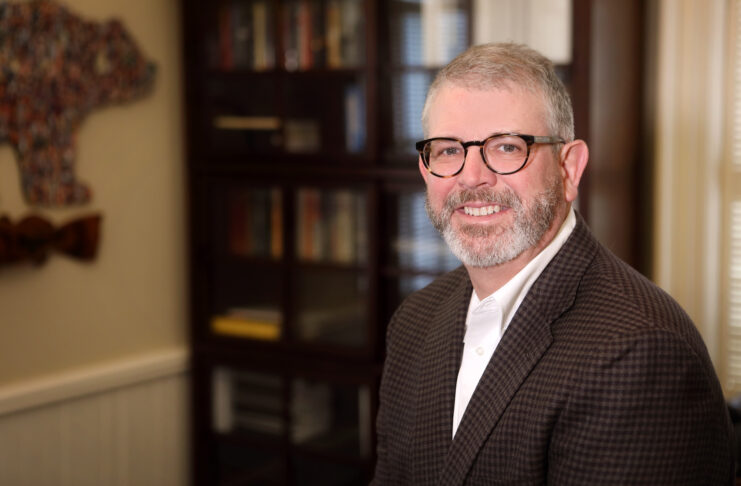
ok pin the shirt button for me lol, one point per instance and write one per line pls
(480, 351)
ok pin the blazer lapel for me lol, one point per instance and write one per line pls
(523, 344)
(441, 355)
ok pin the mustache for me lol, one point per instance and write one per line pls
(504, 197)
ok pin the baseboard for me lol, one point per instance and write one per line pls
(95, 379)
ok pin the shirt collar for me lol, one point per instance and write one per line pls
(511, 294)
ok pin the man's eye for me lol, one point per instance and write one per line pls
(508, 148)
(446, 151)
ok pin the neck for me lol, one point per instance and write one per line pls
(487, 280)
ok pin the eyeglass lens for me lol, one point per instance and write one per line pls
(504, 153)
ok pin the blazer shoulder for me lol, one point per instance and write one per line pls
(447, 292)
(613, 292)
(438, 291)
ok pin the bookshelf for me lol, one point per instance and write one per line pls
(307, 221)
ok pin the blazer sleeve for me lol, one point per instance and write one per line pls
(649, 410)
(383, 473)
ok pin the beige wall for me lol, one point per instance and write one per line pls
(690, 105)
(67, 315)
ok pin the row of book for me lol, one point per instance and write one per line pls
(245, 36)
(304, 135)
(247, 400)
(319, 34)
(331, 225)
(253, 402)
(255, 223)
(316, 33)
(341, 326)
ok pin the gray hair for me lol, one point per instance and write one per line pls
(500, 66)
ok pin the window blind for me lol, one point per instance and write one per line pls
(732, 214)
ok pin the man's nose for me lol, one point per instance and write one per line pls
(475, 172)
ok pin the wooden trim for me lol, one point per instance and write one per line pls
(92, 380)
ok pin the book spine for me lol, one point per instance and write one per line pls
(354, 118)
(361, 228)
(334, 34)
(352, 41)
(223, 417)
(242, 35)
(343, 228)
(226, 52)
(254, 329)
(260, 22)
(276, 223)
(305, 35)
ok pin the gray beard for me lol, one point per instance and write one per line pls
(483, 246)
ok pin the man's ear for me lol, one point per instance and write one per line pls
(423, 169)
(574, 158)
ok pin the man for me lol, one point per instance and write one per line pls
(544, 359)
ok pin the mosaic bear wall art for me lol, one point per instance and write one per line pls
(55, 68)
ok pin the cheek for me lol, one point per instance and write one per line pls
(437, 192)
(549, 175)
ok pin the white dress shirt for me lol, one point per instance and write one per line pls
(488, 319)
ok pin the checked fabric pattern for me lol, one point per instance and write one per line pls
(600, 378)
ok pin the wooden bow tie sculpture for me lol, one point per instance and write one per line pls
(33, 238)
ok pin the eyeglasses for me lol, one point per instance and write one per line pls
(503, 153)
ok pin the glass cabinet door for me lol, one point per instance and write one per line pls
(332, 307)
(414, 253)
(331, 417)
(246, 271)
(331, 225)
(425, 35)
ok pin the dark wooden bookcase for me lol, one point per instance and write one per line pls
(306, 222)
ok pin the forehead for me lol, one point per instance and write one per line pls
(474, 113)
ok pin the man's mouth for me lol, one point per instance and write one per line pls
(482, 211)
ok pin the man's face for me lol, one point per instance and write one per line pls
(488, 219)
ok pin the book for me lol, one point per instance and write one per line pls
(354, 98)
(253, 323)
(247, 400)
(259, 422)
(345, 324)
(304, 33)
(242, 35)
(238, 224)
(263, 45)
(222, 417)
(309, 237)
(226, 52)
(331, 226)
(361, 229)
(333, 34)
(352, 38)
(302, 135)
(276, 223)
(291, 50)
(342, 228)
(311, 410)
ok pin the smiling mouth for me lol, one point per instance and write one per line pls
(482, 211)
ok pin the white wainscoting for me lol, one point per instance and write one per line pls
(121, 424)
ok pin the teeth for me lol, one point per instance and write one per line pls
(484, 211)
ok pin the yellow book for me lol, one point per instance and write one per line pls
(248, 328)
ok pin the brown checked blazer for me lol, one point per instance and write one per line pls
(599, 379)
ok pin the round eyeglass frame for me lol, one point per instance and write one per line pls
(529, 141)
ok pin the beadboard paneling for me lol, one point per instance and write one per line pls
(131, 431)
